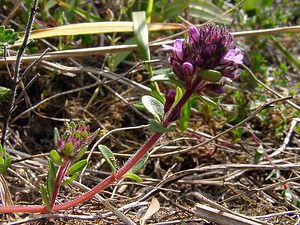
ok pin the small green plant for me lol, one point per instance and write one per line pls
(7, 37)
(66, 160)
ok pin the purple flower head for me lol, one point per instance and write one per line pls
(209, 47)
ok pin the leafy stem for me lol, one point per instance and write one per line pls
(109, 180)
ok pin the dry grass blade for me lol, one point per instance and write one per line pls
(97, 28)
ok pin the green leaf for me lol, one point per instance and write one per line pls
(121, 56)
(166, 78)
(108, 156)
(210, 102)
(7, 37)
(68, 149)
(6, 161)
(274, 173)
(155, 126)
(207, 11)
(133, 177)
(185, 115)
(77, 167)
(45, 196)
(80, 154)
(51, 177)
(71, 179)
(287, 195)
(258, 154)
(178, 96)
(155, 107)
(141, 33)
(155, 93)
(55, 157)
(4, 92)
(210, 75)
(56, 135)
(140, 164)
(2, 151)
(95, 134)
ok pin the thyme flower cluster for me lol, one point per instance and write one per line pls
(75, 138)
(210, 53)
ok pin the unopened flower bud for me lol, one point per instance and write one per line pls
(194, 34)
(188, 69)
(170, 99)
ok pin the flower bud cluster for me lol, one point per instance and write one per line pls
(210, 48)
(76, 137)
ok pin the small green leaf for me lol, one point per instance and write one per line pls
(287, 195)
(80, 153)
(108, 156)
(166, 78)
(95, 134)
(68, 149)
(71, 179)
(140, 164)
(155, 126)
(210, 75)
(259, 153)
(7, 37)
(155, 107)
(133, 177)
(121, 56)
(72, 124)
(179, 94)
(55, 157)
(156, 94)
(77, 167)
(51, 177)
(84, 134)
(185, 115)
(210, 102)
(6, 163)
(45, 196)
(274, 173)
(2, 151)
(76, 134)
(296, 201)
(56, 135)
(4, 93)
